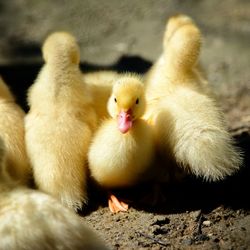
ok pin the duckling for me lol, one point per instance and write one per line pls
(100, 84)
(122, 148)
(188, 124)
(60, 123)
(12, 132)
(33, 220)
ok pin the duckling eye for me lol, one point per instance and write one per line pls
(137, 101)
(115, 100)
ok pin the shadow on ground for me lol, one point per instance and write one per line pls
(191, 194)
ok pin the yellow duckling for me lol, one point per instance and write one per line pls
(12, 132)
(33, 220)
(122, 148)
(188, 124)
(60, 122)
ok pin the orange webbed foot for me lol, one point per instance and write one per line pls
(116, 206)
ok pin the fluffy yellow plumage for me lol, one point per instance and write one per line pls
(100, 84)
(12, 132)
(60, 122)
(188, 124)
(122, 148)
(33, 220)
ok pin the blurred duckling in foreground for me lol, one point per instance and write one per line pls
(33, 220)
(188, 124)
(60, 123)
(122, 148)
(12, 132)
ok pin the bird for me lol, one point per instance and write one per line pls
(60, 123)
(100, 84)
(34, 220)
(189, 126)
(122, 148)
(12, 132)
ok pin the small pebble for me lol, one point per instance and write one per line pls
(207, 223)
(187, 242)
(195, 215)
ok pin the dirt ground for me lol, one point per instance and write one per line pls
(194, 214)
(127, 37)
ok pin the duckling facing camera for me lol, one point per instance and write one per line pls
(122, 148)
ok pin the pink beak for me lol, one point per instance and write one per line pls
(125, 121)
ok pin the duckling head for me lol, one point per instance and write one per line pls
(61, 47)
(127, 101)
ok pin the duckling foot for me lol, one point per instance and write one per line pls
(116, 206)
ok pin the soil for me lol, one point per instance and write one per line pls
(193, 214)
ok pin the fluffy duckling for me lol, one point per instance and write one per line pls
(188, 124)
(33, 220)
(12, 132)
(100, 84)
(122, 148)
(60, 123)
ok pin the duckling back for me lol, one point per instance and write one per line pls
(60, 122)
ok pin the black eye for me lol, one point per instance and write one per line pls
(137, 101)
(115, 100)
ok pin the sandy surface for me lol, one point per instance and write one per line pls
(127, 36)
